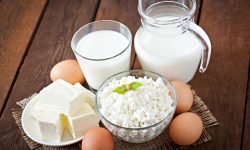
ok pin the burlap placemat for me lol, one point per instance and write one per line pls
(162, 142)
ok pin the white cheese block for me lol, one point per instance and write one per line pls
(62, 97)
(51, 128)
(89, 96)
(49, 123)
(62, 106)
(33, 111)
(85, 120)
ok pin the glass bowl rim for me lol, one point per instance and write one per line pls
(170, 115)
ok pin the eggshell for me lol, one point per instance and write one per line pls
(184, 96)
(185, 129)
(68, 70)
(98, 139)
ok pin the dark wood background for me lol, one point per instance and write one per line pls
(36, 34)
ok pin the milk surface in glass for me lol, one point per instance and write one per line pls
(99, 45)
(167, 50)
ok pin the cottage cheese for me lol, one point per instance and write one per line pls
(145, 106)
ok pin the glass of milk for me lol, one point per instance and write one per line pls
(102, 48)
(169, 42)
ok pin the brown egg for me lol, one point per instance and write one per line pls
(98, 139)
(185, 129)
(68, 70)
(184, 96)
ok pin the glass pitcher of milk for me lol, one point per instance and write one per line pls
(169, 42)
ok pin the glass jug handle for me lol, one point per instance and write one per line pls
(205, 41)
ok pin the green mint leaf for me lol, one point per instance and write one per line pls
(127, 87)
(135, 85)
(119, 90)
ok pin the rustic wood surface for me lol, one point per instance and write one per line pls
(246, 131)
(18, 22)
(37, 35)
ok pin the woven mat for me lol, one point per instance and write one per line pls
(162, 142)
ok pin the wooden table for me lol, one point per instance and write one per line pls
(36, 34)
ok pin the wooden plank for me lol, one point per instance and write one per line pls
(18, 22)
(51, 44)
(223, 86)
(198, 10)
(124, 11)
(246, 135)
(136, 63)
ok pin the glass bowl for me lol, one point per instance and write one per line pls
(137, 135)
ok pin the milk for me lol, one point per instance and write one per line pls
(167, 52)
(94, 55)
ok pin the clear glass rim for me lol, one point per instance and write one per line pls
(142, 128)
(159, 22)
(100, 21)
